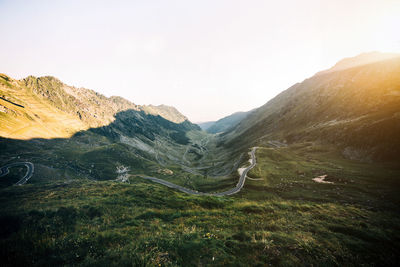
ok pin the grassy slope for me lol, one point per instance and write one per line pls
(356, 109)
(285, 219)
(93, 156)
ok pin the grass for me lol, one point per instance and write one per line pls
(286, 219)
(288, 172)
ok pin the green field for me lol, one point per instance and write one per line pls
(282, 219)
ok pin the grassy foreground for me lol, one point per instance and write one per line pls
(283, 219)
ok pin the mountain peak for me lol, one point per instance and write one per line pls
(168, 112)
(359, 60)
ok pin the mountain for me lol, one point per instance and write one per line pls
(227, 122)
(355, 106)
(74, 132)
(362, 59)
(302, 203)
(205, 125)
(46, 107)
(167, 112)
(223, 124)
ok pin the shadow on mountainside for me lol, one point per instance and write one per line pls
(95, 153)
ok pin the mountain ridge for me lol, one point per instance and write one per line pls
(87, 107)
(225, 123)
(359, 60)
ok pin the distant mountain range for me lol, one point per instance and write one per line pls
(224, 124)
(355, 106)
(205, 125)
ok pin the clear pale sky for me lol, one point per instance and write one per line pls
(207, 58)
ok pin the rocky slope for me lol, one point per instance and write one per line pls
(48, 108)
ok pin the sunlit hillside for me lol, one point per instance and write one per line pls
(355, 106)
(25, 114)
(45, 107)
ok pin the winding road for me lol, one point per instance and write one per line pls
(4, 170)
(29, 172)
(232, 191)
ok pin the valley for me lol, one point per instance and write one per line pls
(120, 134)
(242, 178)
(311, 178)
(284, 219)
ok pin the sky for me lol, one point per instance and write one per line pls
(207, 58)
